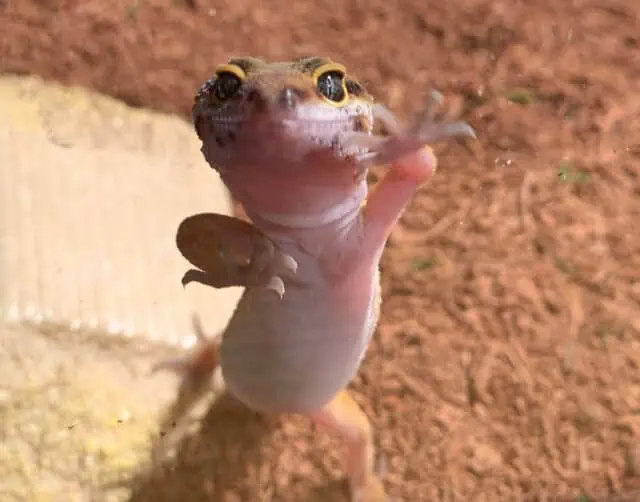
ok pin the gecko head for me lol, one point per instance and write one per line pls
(297, 137)
(281, 115)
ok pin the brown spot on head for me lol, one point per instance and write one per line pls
(310, 64)
(205, 89)
(361, 124)
(354, 88)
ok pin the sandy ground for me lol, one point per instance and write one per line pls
(506, 365)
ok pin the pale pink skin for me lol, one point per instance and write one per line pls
(293, 354)
(298, 167)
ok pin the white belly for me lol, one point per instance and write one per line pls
(293, 355)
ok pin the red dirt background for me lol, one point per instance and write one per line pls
(506, 366)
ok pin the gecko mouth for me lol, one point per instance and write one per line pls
(339, 135)
(233, 136)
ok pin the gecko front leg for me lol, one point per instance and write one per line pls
(412, 161)
(227, 252)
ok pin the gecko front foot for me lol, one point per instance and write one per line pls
(424, 131)
(230, 252)
(402, 141)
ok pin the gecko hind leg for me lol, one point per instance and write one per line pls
(196, 370)
(345, 418)
(196, 367)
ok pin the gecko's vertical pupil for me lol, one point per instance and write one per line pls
(226, 85)
(330, 85)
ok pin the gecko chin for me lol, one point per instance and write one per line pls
(296, 167)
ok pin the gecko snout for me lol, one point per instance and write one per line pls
(285, 99)
(290, 97)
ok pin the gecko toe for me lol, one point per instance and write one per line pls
(218, 280)
(175, 365)
(289, 264)
(276, 284)
(198, 329)
(433, 132)
(192, 275)
(403, 141)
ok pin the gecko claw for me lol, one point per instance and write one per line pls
(276, 284)
(195, 275)
(189, 276)
(289, 264)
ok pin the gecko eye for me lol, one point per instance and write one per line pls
(226, 85)
(331, 86)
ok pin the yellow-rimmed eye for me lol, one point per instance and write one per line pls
(228, 81)
(330, 82)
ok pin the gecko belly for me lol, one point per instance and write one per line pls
(293, 355)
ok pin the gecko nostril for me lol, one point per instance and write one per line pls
(290, 97)
(219, 141)
(231, 136)
(253, 95)
(256, 99)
